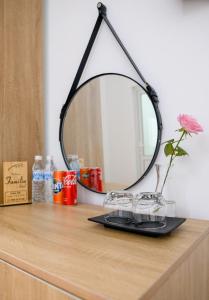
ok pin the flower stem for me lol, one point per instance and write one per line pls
(172, 159)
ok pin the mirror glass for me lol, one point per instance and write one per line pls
(110, 132)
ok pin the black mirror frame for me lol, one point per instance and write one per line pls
(159, 124)
(102, 16)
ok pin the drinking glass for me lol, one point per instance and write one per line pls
(121, 205)
(149, 210)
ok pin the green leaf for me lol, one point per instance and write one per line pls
(169, 149)
(180, 152)
(169, 141)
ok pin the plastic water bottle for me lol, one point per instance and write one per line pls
(48, 179)
(73, 162)
(38, 179)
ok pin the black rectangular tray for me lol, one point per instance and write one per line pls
(171, 223)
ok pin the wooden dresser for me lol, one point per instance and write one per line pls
(52, 252)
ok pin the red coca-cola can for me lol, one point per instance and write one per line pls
(99, 180)
(85, 176)
(95, 175)
(69, 188)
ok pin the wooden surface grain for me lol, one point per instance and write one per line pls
(21, 103)
(19, 285)
(190, 281)
(57, 244)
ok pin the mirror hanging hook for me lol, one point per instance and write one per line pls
(102, 8)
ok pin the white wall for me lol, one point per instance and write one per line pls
(169, 41)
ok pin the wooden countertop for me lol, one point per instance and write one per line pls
(58, 244)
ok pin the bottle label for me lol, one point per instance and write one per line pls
(38, 176)
(47, 175)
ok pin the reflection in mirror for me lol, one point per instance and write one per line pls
(111, 129)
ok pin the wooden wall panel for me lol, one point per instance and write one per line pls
(21, 100)
(1, 85)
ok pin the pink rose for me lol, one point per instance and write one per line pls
(189, 124)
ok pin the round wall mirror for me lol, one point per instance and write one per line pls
(110, 133)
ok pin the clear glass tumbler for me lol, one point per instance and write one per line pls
(121, 205)
(149, 210)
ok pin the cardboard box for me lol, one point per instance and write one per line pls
(15, 183)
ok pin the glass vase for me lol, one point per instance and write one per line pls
(163, 188)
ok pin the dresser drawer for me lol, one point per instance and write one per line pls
(16, 284)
